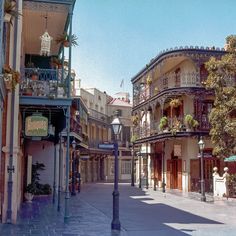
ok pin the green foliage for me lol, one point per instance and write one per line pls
(35, 187)
(31, 188)
(231, 43)
(223, 135)
(190, 122)
(175, 103)
(163, 123)
(134, 138)
(64, 40)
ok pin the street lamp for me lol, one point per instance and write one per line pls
(115, 224)
(132, 170)
(140, 172)
(201, 145)
(73, 193)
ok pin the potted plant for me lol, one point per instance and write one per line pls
(174, 103)
(28, 91)
(156, 90)
(64, 40)
(135, 120)
(190, 122)
(11, 77)
(163, 126)
(134, 138)
(10, 11)
(29, 192)
(34, 75)
(149, 81)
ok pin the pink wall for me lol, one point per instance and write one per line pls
(43, 152)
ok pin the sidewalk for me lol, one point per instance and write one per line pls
(197, 196)
(142, 213)
(40, 218)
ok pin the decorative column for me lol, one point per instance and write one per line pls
(67, 193)
(59, 173)
(1, 31)
(54, 174)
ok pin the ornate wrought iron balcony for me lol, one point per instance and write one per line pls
(167, 81)
(175, 125)
(43, 83)
(98, 115)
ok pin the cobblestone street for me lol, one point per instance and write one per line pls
(142, 212)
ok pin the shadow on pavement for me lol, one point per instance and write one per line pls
(139, 212)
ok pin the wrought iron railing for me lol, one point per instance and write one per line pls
(168, 81)
(75, 127)
(43, 83)
(98, 115)
(175, 124)
(195, 185)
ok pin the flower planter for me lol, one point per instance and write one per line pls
(28, 92)
(66, 44)
(7, 17)
(8, 81)
(29, 197)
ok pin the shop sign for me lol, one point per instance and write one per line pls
(36, 126)
(177, 150)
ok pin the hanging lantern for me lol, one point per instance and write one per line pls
(45, 41)
(45, 44)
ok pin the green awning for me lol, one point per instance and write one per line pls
(230, 159)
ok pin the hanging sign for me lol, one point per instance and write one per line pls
(177, 150)
(36, 126)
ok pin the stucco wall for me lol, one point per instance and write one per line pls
(43, 152)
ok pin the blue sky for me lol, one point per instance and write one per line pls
(117, 38)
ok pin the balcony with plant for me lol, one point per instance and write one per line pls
(10, 77)
(10, 11)
(46, 72)
(190, 122)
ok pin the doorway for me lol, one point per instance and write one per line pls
(174, 174)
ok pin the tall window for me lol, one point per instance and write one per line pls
(206, 109)
(126, 167)
(177, 77)
(203, 73)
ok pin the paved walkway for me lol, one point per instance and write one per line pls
(142, 213)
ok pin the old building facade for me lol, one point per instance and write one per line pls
(170, 114)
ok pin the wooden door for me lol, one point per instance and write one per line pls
(194, 175)
(179, 167)
(168, 173)
(174, 174)
(157, 168)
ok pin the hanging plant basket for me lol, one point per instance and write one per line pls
(66, 44)
(64, 40)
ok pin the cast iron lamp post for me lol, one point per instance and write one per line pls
(201, 145)
(115, 224)
(132, 170)
(140, 171)
(73, 193)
